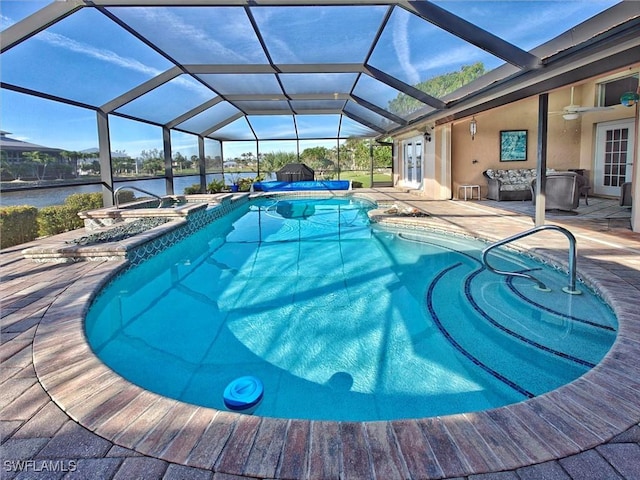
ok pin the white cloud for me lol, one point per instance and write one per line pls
(109, 56)
(101, 54)
(534, 26)
(449, 60)
(180, 32)
(5, 22)
(402, 48)
(82, 48)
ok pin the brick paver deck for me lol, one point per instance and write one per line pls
(65, 415)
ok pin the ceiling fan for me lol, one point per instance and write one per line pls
(573, 111)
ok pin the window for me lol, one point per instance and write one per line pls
(609, 93)
(615, 157)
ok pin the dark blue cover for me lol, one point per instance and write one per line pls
(276, 186)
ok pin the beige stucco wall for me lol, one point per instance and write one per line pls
(437, 170)
(471, 157)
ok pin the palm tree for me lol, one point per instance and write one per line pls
(38, 160)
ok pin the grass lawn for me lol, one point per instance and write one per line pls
(365, 178)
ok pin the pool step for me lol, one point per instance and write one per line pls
(509, 360)
(546, 318)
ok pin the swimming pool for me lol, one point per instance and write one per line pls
(341, 319)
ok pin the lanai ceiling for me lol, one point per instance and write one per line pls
(305, 69)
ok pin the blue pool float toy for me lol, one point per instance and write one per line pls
(243, 394)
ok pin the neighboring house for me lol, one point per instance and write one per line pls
(16, 163)
(13, 148)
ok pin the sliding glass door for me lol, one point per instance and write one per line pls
(413, 162)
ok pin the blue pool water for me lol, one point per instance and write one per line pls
(343, 320)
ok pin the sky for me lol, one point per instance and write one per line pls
(86, 64)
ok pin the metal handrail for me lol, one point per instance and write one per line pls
(573, 256)
(115, 194)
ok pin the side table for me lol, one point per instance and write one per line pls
(469, 191)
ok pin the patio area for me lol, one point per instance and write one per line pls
(601, 213)
(65, 415)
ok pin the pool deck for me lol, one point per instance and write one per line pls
(66, 415)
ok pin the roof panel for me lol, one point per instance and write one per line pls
(386, 97)
(185, 94)
(197, 35)
(369, 116)
(211, 117)
(318, 126)
(318, 83)
(352, 129)
(248, 83)
(300, 106)
(415, 51)
(257, 106)
(327, 34)
(90, 59)
(238, 130)
(273, 127)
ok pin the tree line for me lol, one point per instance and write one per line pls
(353, 154)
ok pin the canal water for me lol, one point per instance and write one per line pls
(56, 196)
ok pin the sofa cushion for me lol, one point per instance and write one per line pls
(512, 187)
(515, 178)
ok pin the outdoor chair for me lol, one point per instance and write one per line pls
(562, 191)
(583, 186)
(625, 194)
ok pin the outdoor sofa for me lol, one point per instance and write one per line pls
(511, 184)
